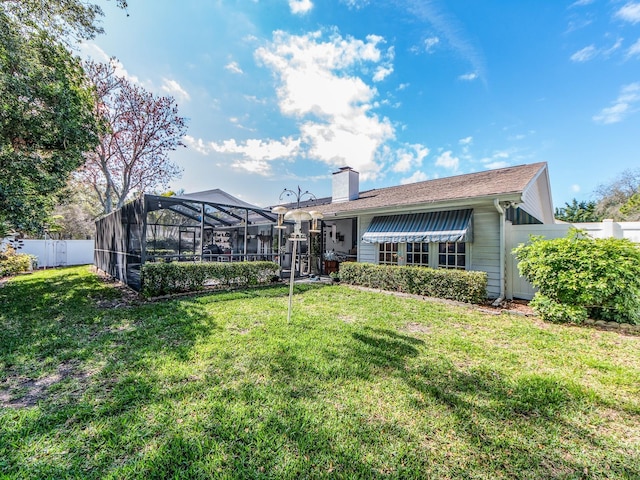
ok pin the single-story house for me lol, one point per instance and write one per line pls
(454, 222)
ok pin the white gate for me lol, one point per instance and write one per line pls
(61, 253)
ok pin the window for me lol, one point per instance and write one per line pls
(418, 254)
(452, 255)
(388, 254)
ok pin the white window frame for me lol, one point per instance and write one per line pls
(434, 255)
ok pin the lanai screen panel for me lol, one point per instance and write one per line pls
(118, 243)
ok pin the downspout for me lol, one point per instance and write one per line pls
(500, 299)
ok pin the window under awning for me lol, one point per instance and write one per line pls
(451, 226)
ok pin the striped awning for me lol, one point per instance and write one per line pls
(451, 226)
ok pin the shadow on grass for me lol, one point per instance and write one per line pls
(277, 418)
(523, 421)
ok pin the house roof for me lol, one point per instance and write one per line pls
(218, 197)
(500, 182)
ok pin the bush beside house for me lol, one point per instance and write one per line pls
(463, 286)
(174, 277)
(580, 277)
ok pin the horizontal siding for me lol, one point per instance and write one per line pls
(485, 250)
(367, 252)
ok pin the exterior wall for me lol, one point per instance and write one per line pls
(537, 199)
(485, 249)
(57, 253)
(367, 252)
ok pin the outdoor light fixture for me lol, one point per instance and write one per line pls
(280, 211)
(297, 216)
(315, 216)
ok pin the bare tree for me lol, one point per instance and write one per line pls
(615, 200)
(140, 129)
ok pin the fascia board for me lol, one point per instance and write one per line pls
(428, 206)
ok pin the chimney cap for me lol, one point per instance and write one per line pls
(344, 169)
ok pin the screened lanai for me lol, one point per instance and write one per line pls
(205, 226)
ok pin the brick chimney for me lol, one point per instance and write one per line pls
(346, 185)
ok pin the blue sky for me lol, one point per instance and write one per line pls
(281, 93)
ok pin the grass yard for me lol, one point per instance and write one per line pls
(358, 385)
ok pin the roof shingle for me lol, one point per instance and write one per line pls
(510, 180)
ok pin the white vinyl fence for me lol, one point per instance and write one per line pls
(518, 287)
(59, 253)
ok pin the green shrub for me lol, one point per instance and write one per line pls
(464, 286)
(579, 276)
(164, 278)
(12, 262)
(556, 312)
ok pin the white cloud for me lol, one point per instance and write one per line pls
(581, 3)
(318, 86)
(254, 155)
(197, 144)
(410, 157)
(585, 54)
(466, 141)
(468, 77)
(613, 48)
(382, 72)
(356, 3)
(501, 154)
(416, 177)
(634, 50)
(450, 30)
(446, 160)
(626, 104)
(497, 164)
(233, 67)
(299, 7)
(575, 188)
(629, 13)
(430, 44)
(174, 89)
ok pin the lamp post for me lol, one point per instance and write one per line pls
(299, 194)
(297, 216)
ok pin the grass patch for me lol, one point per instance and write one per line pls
(358, 385)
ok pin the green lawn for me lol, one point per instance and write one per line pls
(358, 385)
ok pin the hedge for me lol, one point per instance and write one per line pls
(165, 278)
(463, 286)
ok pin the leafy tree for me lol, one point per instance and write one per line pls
(46, 122)
(616, 199)
(46, 117)
(578, 212)
(63, 19)
(76, 213)
(579, 276)
(631, 209)
(141, 130)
